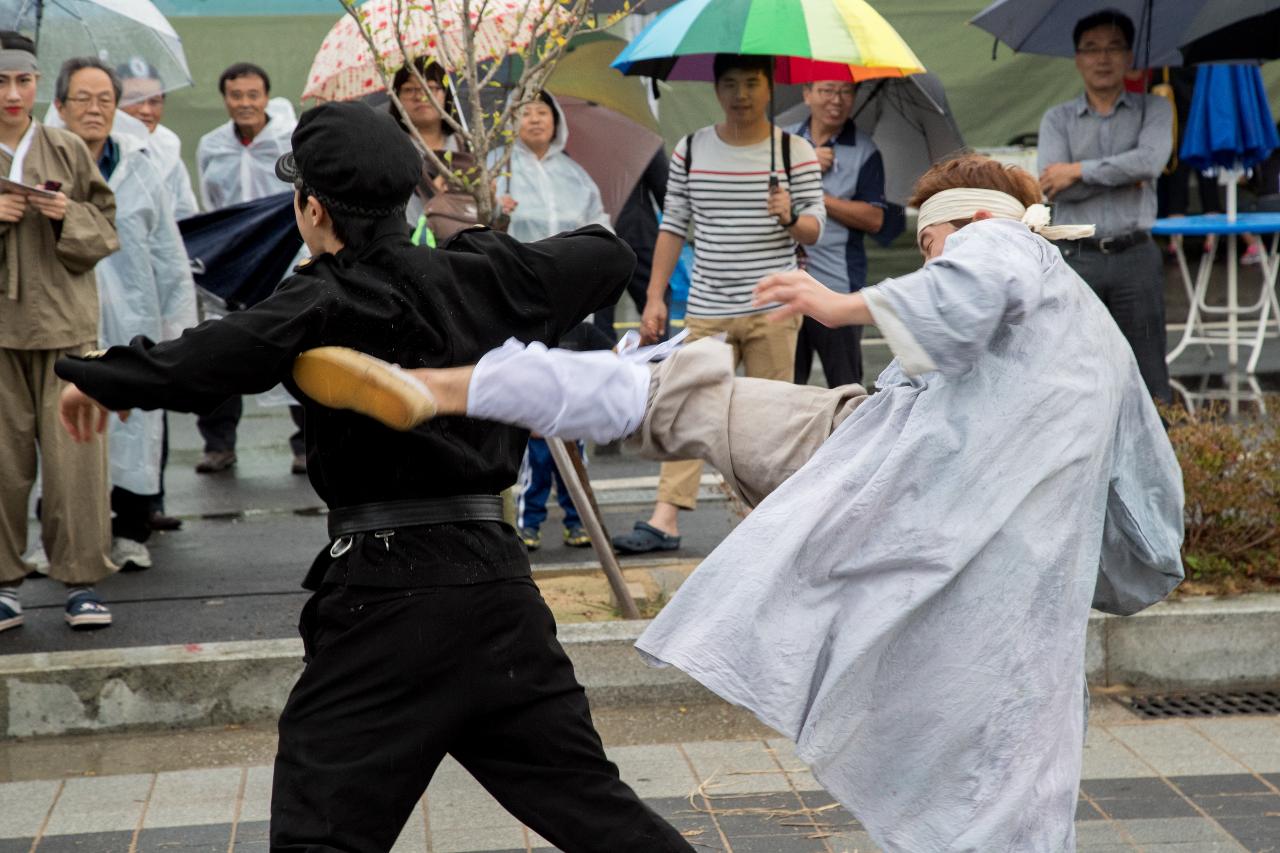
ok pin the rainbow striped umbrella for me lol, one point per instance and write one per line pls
(810, 40)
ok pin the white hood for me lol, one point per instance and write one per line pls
(553, 193)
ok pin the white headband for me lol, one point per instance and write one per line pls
(16, 59)
(964, 202)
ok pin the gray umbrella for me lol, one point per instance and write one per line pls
(909, 121)
(1163, 26)
(115, 31)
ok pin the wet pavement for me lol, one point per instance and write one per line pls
(726, 782)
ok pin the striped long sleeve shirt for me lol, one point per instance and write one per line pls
(725, 196)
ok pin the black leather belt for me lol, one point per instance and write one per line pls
(388, 515)
(1118, 243)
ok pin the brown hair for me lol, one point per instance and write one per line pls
(976, 171)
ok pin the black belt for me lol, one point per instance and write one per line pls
(1118, 243)
(388, 515)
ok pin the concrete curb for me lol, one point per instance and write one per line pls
(1197, 644)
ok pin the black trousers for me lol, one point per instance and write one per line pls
(218, 428)
(840, 350)
(397, 678)
(1131, 285)
(157, 500)
(131, 514)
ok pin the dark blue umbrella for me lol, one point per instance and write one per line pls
(1230, 123)
(240, 253)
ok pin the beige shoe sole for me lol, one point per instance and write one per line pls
(343, 378)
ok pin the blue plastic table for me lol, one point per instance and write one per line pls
(1267, 307)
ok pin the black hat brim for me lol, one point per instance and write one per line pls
(287, 168)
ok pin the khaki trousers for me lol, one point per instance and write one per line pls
(756, 432)
(766, 350)
(75, 516)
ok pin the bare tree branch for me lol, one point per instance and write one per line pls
(549, 27)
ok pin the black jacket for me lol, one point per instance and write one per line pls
(413, 306)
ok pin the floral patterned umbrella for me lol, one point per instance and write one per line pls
(346, 68)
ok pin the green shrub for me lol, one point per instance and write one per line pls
(1231, 475)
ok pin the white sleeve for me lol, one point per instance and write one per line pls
(557, 393)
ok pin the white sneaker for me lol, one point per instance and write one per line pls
(37, 560)
(129, 555)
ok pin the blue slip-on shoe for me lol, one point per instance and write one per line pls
(643, 538)
(85, 611)
(9, 617)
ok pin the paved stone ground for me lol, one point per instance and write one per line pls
(1183, 786)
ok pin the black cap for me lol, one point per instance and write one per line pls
(352, 158)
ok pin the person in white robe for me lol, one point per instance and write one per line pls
(143, 98)
(146, 289)
(235, 162)
(910, 605)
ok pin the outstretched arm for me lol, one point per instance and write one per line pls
(797, 292)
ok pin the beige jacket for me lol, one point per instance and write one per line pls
(48, 296)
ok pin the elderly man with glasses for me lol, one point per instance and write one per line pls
(1100, 155)
(853, 194)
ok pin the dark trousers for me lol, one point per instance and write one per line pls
(840, 350)
(218, 428)
(537, 472)
(1131, 285)
(130, 515)
(397, 678)
(639, 291)
(157, 500)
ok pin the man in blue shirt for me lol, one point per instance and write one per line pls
(853, 192)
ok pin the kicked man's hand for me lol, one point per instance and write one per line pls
(82, 416)
(796, 292)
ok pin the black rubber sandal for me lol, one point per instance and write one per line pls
(644, 538)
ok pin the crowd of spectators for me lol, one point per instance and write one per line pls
(95, 257)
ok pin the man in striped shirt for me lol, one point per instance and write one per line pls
(744, 228)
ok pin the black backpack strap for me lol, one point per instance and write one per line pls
(786, 157)
(688, 154)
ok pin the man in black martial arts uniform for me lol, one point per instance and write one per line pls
(425, 634)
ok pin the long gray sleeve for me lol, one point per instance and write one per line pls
(1143, 162)
(1053, 147)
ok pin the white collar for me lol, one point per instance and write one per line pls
(19, 154)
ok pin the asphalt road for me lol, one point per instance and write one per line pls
(234, 570)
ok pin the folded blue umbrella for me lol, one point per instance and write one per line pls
(1230, 122)
(240, 253)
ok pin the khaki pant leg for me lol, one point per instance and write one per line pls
(769, 348)
(756, 432)
(17, 459)
(76, 513)
(679, 481)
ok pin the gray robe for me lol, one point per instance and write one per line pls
(910, 606)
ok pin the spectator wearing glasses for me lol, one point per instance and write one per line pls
(144, 289)
(1100, 156)
(51, 240)
(853, 194)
